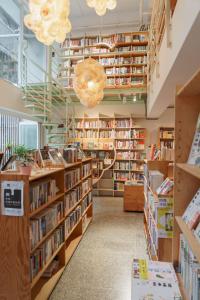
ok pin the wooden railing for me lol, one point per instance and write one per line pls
(162, 12)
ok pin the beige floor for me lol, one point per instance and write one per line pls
(101, 267)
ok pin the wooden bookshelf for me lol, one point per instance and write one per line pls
(159, 248)
(16, 248)
(166, 142)
(187, 177)
(119, 132)
(124, 57)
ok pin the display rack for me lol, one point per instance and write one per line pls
(187, 177)
(123, 55)
(105, 133)
(23, 266)
(159, 245)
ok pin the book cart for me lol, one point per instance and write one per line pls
(159, 241)
(17, 279)
(187, 177)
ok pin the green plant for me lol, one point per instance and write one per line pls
(23, 154)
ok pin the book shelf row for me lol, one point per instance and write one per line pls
(128, 37)
(57, 211)
(158, 210)
(110, 51)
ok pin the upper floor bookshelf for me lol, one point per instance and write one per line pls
(123, 55)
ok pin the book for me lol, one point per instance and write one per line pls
(191, 215)
(164, 217)
(153, 280)
(165, 187)
(189, 269)
(197, 232)
(194, 156)
(155, 179)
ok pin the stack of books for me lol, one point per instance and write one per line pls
(45, 222)
(72, 177)
(86, 202)
(45, 251)
(72, 198)
(72, 220)
(41, 193)
(189, 268)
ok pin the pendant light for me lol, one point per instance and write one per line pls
(89, 82)
(101, 6)
(48, 19)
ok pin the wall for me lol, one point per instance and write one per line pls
(11, 99)
(180, 61)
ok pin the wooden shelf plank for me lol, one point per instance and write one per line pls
(192, 241)
(191, 169)
(86, 210)
(89, 220)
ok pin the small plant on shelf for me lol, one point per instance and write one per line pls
(23, 156)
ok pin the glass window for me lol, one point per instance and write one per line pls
(29, 134)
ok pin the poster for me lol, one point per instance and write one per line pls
(12, 202)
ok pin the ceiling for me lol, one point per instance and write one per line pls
(128, 15)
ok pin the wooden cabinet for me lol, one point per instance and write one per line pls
(133, 198)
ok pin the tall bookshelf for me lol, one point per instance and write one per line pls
(187, 177)
(28, 256)
(105, 133)
(157, 207)
(123, 55)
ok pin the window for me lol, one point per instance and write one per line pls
(28, 134)
(9, 132)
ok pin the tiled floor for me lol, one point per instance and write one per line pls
(101, 266)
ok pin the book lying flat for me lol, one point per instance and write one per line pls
(153, 280)
(194, 157)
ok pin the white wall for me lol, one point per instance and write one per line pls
(11, 100)
(179, 62)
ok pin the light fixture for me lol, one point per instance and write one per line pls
(134, 98)
(124, 100)
(101, 6)
(89, 82)
(48, 19)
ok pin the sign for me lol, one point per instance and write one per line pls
(12, 198)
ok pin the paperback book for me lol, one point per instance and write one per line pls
(194, 157)
(192, 214)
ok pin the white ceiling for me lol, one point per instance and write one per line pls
(128, 15)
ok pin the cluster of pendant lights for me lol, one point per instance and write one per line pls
(49, 20)
(89, 82)
(101, 6)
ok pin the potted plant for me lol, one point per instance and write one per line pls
(24, 159)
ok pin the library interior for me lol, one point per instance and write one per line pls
(99, 150)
